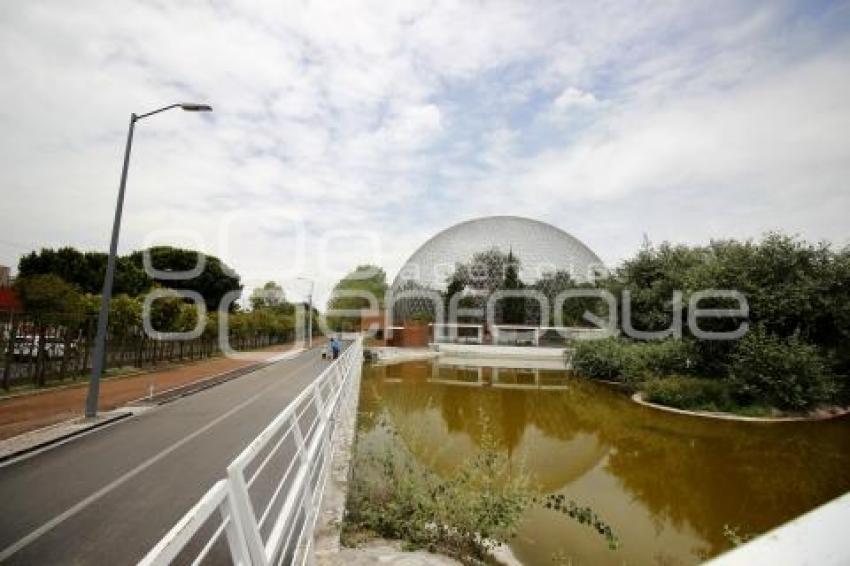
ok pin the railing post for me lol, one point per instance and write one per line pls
(302, 455)
(245, 515)
(236, 540)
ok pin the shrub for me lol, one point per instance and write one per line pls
(392, 495)
(650, 360)
(689, 393)
(599, 359)
(785, 373)
(622, 360)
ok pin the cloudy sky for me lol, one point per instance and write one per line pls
(347, 132)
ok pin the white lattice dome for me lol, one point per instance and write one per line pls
(540, 248)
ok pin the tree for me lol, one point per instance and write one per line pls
(366, 280)
(51, 303)
(49, 299)
(269, 296)
(85, 270)
(213, 283)
(125, 315)
(165, 313)
(513, 308)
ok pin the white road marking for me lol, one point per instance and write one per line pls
(82, 504)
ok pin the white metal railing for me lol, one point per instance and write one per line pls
(450, 332)
(512, 333)
(267, 505)
(818, 537)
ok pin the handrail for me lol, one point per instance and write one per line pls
(818, 537)
(268, 535)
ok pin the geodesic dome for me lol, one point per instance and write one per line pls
(540, 248)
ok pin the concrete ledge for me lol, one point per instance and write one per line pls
(391, 355)
(488, 351)
(819, 416)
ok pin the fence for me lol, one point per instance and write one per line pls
(818, 537)
(34, 352)
(513, 335)
(264, 511)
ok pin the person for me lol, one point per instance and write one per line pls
(335, 346)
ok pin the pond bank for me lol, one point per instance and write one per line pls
(820, 415)
(384, 355)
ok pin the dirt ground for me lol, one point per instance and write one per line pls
(28, 412)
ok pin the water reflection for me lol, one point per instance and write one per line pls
(667, 484)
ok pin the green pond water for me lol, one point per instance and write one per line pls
(667, 484)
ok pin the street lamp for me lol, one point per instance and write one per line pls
(103, 317)
(309, 311)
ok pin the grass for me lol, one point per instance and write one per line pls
(700, 394)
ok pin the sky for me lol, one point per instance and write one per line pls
(350, 132)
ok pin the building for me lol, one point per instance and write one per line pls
(546, 256)
(9, 301)
(540, 248)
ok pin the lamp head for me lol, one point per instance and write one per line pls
(192, 107)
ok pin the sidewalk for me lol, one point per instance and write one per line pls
(24, 413)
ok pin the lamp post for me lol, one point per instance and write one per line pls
(309, 311)
(103, 317)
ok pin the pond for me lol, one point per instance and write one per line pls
(667, 484)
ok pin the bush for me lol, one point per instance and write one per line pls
(392, 495)
(650, 360)
(690, 393)
(630, 362)
(599, 359)
(785, 373)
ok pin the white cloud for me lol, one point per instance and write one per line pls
(686, 120)
(573, 97)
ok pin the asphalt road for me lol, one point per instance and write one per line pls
(108, 497)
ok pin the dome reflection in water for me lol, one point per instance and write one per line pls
(667, 484)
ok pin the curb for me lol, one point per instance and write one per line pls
(638, 398)
(59, 439)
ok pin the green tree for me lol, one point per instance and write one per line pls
(125, 315)
(484, 273)
(49, 299)
(165, 313)
(213, 283)
(513, 308)
(366, 279)
(85, 270)
(270, 296)
(51, 303)
(783, 372)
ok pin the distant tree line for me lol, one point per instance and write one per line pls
(60, 290)
(86, 270)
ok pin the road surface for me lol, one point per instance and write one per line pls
(108, 497)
